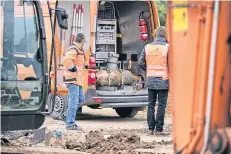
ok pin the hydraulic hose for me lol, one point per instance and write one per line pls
(211, 75)
(53, 51)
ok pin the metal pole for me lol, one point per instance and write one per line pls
(77, 21)
(81, 24)
(25, 29)
(73, 24)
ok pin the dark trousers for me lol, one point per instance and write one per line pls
(156, 122)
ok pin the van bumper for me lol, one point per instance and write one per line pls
(116, 101)
(122, 101)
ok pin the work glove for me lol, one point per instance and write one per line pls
(86, 67)
(92, 67)
(140, 84)
(73, 69)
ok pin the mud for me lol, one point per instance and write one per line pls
(103, 132)
(121, 142)
(118, 143)
(98, 142)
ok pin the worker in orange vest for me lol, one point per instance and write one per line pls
(74, 62)
(153, 60)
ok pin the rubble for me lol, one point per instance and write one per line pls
(117, 143)
(118, 136)
(94, 142)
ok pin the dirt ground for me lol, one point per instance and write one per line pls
(104, 132)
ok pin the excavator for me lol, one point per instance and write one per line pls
(200, 75)
(199, 66)
(24, 65)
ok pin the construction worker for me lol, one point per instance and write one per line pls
(153, 60)
(74, 62)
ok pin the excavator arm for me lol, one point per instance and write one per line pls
(199, 33)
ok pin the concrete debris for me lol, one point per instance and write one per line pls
(38, 136)
(13, 135)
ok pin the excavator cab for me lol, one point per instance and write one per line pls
(24, 70)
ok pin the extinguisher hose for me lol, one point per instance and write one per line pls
(141, 15)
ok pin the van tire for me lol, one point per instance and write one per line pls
(60, 106)
(127, 112)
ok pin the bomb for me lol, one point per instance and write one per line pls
(114, 78)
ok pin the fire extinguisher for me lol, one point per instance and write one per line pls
(143, 27)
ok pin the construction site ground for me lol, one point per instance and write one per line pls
(103, 131)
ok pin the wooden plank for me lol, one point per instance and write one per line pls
(38, 150)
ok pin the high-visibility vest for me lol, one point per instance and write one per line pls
(74, 57)
(156, 60)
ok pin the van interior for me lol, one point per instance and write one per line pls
(118, 37)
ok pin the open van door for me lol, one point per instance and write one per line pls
(23, 65)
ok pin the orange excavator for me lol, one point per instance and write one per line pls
(200, 69)
(24, 65)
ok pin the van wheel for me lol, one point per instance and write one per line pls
(79, 111)
(126, 112)
(59, 106)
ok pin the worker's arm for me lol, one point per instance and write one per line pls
(142, 60)
(69, 60)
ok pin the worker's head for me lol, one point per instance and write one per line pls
(161, 32)
(80, 39)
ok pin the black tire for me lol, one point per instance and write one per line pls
(59, 106)
(79, 111)
(127, 112)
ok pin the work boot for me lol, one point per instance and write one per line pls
(73, 127)
(150, 132)
(162, 133)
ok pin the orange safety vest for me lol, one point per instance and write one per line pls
(74, 57)
(156, 60)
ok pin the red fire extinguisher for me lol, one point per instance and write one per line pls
(143, 27)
